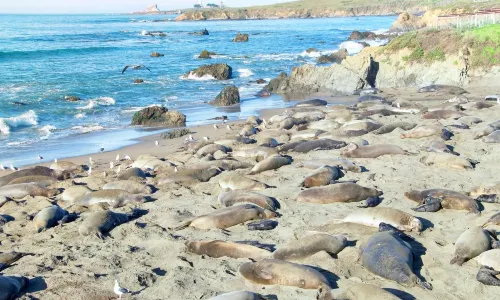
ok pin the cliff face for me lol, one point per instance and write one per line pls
(152, 9)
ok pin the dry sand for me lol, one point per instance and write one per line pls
(150, 259)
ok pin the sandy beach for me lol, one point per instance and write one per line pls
(150, 258)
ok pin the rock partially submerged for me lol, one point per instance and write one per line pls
(365, 35)
(156, 54)
(158, 116)
(201, 32)
(229, 96)
(72, 98)
(241, 38)
(336, 57)
(217, 71)
(205, 54)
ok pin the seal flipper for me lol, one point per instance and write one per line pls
(458, 260)
(424, 284)
(487, 276)
(324, 293)
(183, 225)
(429, 204)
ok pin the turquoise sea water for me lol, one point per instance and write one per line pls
(43, 58)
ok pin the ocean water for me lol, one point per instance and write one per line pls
(44, 58)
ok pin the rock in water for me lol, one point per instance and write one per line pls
(241, 37)
(205, 54)
(201, 32)
(217, 71)
(229, 96)
(336, 57)
(158, 116)
(152, 9)
(72, 98)
(156, 54)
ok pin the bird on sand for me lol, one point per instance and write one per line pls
(13, 168)
(215, 127)
(118, 157)
(2, 167)
(40, 157)
(157, 143)
(135, 67)
(127, 157)
(228, 127)
(119, 290)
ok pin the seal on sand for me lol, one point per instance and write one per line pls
(211, 149)
(493, 220)
(229, 198)
(339, 192)
(493, 137)
(485, 190)
(130, 173)
(278, 272)
(239, 295)
(311, 244)
(271, 163)
(321, 176)
(66, 166)
(373, 217)
(48, 217)
(8, 258)
(487, 130)
(488, 276)
(443, 114)
(74, 193)
(315, 145)
(344, 164)
(115, 198)
(387, 255)
(372, 151)
(449, 199)
(437, 145)
(311, 103)
(41, 180)
(10, 286)
(490, 258)
(191, 176)
(219, 249)
(100, 223)
(21, 190)
(130, 186)
(238, 182)
(450, 89)
(426, 131)
(446, 160)
(357, 291)
(42, 171)
(259, 153)
(470, 244)
(262, 225)
(391, 127)
(228, 217)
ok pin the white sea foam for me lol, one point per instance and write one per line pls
(101, 101)
(46, 131)
(27, 119)
(134, 109)
(381, 31)
(275, 57)
(352, 47)
(87, 128)
(192, 76)
(375, 43)
(245, 73)
(80, 116)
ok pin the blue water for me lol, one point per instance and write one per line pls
(46, 57)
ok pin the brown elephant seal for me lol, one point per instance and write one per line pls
(8, 258)
(393, 126)
(130, 186)
(310, 244)
(321, 144)
(259, 153)
(311, 103)
(223, 164)
(446, 160)
(490, 258)
(367, 125)
(248, 130)
(74, 193)
(190, 176)
(488, 276)
(11, 286)
(443, 114)
(357, 291)
(217, 249)
(487, 130)
(268, 142)
(450, 89)
(339, 192)
(211, 149)
(228, 217)
(289, 122)
(485, 190)
(41, 171)
(239, 295)
(372, 151)
(271, 163)
(278, 272)
(321, 177)
(310, 115)
(66, 166)
(344, 164)
(470, 244)
(493, 220)
(493, 137)
(387, 255)
(426, 131)
(262, 225)
(449, 199)
(373, 217)
(99, 223)
(21, 190)
(470, 120)
(438, 146)
(115, 198)
(238, 182)
(131, 173)
(229, 198)
(41, 180)
(306, 134)
(48, 217)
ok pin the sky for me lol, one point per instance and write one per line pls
(108, 6)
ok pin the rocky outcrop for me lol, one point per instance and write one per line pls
(139, 81)
(201, 32)
(152, 9)
(159, 116)
(406, 22)
(206, 54)
(241, 38)
(336, 57)
(311, 50)
(229, 96)
(366, 35)
(217, 71)
(72, 98)
(156, 54)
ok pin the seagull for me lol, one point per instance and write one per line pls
(3, 167)
(119, 290)
(104, 174)
(55, 160)
(215, 127)
(13, 168)
(40, 157)
(228, 127)
(119, 169)
(206, 138)
(102, 149)
(135, 67)
(118, 157)
(127, 157)
(111, 165)
(224, 121)
(89, 171)
(191, 138)
(176, 170)
(91, 161)
(157, 143)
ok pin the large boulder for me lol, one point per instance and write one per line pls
(217, 71)
(336, 57)
(201, 32)
(241, 37)
(206, 54)
(156, 54)
(158, 116)
(229, 96)
(407, 22)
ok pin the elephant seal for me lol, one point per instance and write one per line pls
(66, 166)
(190, 176)
(426, 131)
(229, 198)
(493, 220)
(21, 190)
(10, 286)
(217, 249)
(268, 142)
(381, 111)
(41, 171)
(262, 225)
(310, 115)
(311, 244)
(271, 163)
(344, 164)
(470, 244)
(289, 122)
(211, 149)
(254, 120)
(488, 276)
(443, 114)
(321, 176)
(387, 255)
(248, 130)
(449, 199)
(194, 146)
(357, 291)
(373, 217)
(322, 126)
(372, 151)
(450, 89)
(437, 146)
(278, 272)
(74, 193)
(487, 130)
(493, 137)
(446, 160)
(145, 162)
(339, 192)
(485, 190)
(238, 182)
(469, 120)
(99, 223)
(41, 180)
(311, 103)
(490, 258)
(130, 173)
(130, 186)
(228, 217)
(393, 126)
(48, 217)
(8, 258)
(223, 164)
(3, 200)
(259, 153)
(239, 295)
(315, 145)
(115, 198)
(306, 134)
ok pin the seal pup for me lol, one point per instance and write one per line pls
(310, 244)
(41, 180)
(372, 151)
(66, 166)
(228, 217)
(387, 255)
(373, 217)
(229, 198)
(239, 295)
(238, 182)
(217, 249)
(448, 199)
(42, 171)
(446, 160)
(493, 137)
(100, 223)
(115, 198)
(437, 146)
(278, 272)
(357, 291)
(262, 225)
(21, 190)
(74, 193)
(470, 244)
(130, 173)
(393, 126)
(48, 217)
(321, 177)
(271, 163)
(130, 186)
(339, 192)
(493, 220)
(341, 163)
(371, 202)
(10, 286)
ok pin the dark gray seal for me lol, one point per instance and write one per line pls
(36, 171)
(323, 144)
(262, 225)
(10, 286)
(311, 103)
